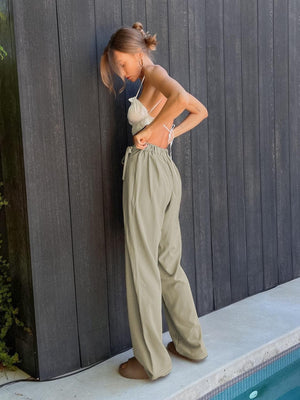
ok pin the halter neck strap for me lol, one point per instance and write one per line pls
(140, 86)
(155, 106)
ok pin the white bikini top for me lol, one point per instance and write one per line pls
(138, 115)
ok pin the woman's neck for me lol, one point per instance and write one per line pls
(146, 62)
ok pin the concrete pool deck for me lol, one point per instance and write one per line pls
(238, 338)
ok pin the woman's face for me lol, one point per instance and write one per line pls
(128, 64)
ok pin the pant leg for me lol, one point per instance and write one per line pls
(145, 196)
(178, 301)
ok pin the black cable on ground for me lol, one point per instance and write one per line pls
(50, 379)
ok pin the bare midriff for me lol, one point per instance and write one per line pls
(159, 138)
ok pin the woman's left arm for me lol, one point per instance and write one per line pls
(178, 100)
(198, 113)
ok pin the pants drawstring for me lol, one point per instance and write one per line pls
(124, 160)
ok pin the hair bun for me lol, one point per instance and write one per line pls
(150, 40)
(139, 26)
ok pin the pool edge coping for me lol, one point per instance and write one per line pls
(203, 387)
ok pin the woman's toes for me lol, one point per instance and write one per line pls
(132, 369)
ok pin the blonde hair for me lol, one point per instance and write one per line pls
(127, 40)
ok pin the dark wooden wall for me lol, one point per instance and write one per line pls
(240, 212)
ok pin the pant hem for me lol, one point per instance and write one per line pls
(161, 374)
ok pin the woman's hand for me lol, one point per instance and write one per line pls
(140, 139)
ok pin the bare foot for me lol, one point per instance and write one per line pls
(172, 349)
(132, 369)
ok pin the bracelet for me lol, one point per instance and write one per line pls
(171, 137)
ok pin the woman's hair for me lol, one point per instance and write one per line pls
(127, 40)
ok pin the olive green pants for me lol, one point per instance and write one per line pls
(151, 203)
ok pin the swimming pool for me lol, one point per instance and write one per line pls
(277, 379)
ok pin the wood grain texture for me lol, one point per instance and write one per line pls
(217, 154)
(161, 28)
(294, 128)
(239, 214)
(282, 142)
(267, 142)
(48, 197)
(200, 165)
(234, 149)
(76, 24)
(253, 211)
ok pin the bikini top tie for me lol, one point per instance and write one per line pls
(137, 114)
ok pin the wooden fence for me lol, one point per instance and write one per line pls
(240, 214)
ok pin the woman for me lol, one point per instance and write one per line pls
(151, 202)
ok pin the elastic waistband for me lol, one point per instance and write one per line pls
(152, 148)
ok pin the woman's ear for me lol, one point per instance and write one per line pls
(139, 55)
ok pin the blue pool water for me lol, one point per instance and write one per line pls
(278, 380)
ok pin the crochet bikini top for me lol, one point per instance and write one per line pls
(138, 115)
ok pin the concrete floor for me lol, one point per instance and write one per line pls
(238, 337)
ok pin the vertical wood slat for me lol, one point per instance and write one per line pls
(267, 143)
(281, 48)
(217, 161)
(133, 11)
(294, 128)
(113, 144)
(181, 149)
(239, 212)
(155, 25)
(234, 149)
(251, 146)
(46, 186)
(200, 171)
(76, 20)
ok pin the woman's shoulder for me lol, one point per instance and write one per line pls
(155, 71)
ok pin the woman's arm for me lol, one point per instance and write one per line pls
(178, 100)
(198, 113)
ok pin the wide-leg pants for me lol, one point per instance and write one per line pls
(151, 203)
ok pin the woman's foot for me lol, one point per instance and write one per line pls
(132, 369)
(172, 349)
